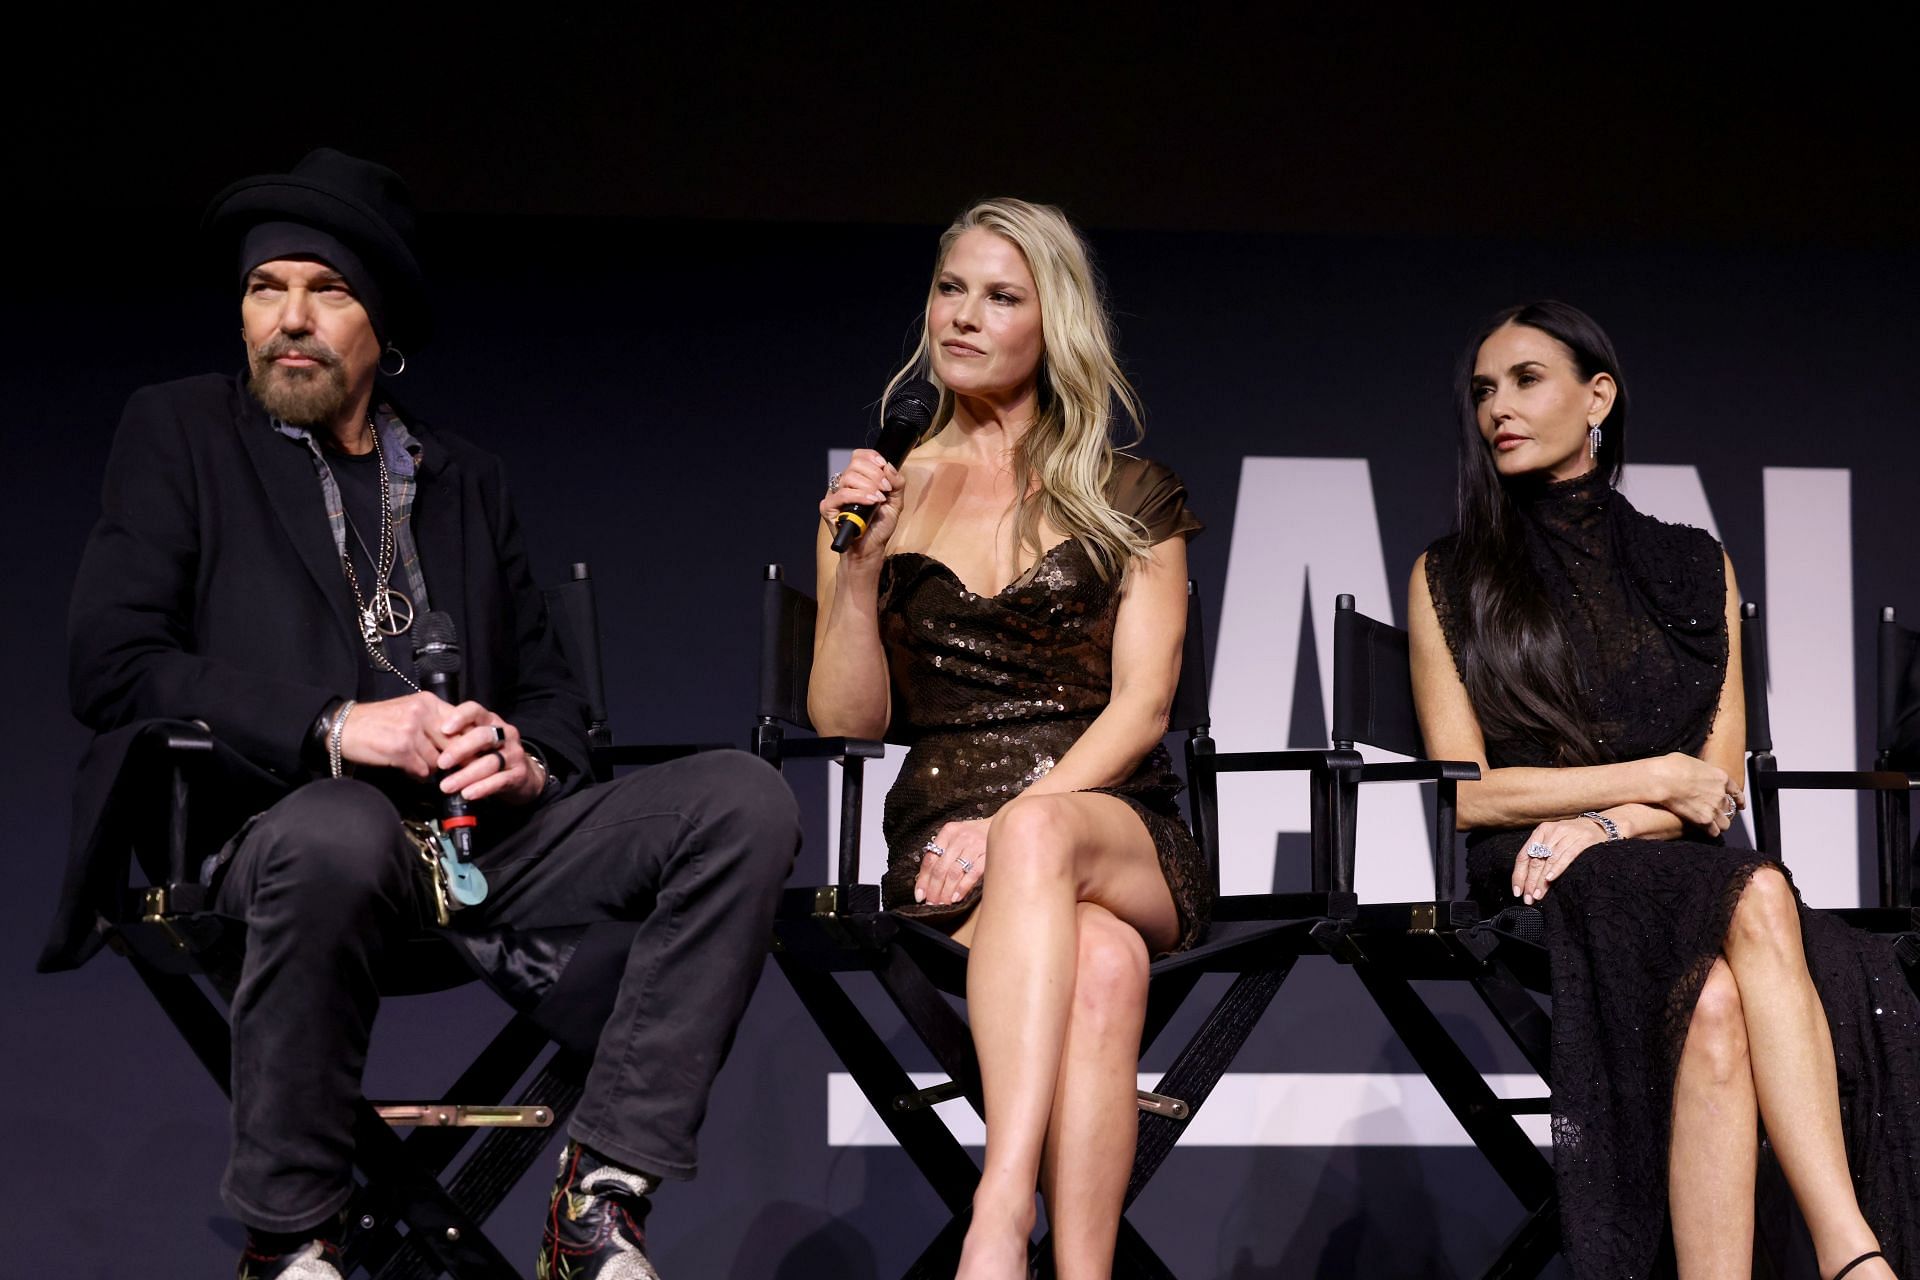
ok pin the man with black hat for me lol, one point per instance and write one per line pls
(266, 545)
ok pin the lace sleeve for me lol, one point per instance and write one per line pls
(1446, 592)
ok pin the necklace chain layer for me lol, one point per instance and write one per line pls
(390, 611)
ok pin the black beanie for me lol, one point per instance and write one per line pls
(266, 241)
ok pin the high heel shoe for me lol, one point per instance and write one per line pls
(1865, 1257)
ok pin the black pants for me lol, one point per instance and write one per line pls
(695, 849)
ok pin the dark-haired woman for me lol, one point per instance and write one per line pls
(1581, 652)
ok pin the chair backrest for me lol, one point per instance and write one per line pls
(1763, 803)
(786, 649)
(1373, 704)
(575, 617)
(1372, 684)
(1897, 727)
(1755, 679)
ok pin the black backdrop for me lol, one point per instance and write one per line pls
(677, 257)
(664, 395)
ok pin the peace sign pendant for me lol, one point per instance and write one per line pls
(391, 614)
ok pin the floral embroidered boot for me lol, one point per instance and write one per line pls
(596, 1221)
(304, 1255)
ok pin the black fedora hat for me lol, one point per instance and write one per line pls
(364, 205)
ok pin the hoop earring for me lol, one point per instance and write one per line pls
(397, 354)
(1593, 441)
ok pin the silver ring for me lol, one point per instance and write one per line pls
(833, 483)
(1538, 850)
(499, 735)
(964, 864)
(932, 848)
(1732, 806)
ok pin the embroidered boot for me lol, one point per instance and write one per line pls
(305, 1255)
(596, 1221)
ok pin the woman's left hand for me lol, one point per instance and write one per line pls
(952, 862)
(1568, 838)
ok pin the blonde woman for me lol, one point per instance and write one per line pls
(1016, 611)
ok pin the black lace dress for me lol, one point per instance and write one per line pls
(992, 690)
(1634, 926)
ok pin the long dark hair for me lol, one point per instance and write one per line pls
(1513, 653)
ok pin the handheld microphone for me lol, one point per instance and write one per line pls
(909, 412)
(436, 658)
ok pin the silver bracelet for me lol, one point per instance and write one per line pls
(536, 756)
(1607, 824)
(334, 733)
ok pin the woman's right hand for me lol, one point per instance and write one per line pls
(1696, 792)
(868, 479)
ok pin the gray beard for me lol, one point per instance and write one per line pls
(300, 397)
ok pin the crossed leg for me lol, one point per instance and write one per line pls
(1759, 1047)
(1072, 901)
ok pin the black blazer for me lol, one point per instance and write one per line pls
(211, 590)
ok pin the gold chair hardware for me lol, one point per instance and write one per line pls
(1161, 1105)
(452, 1115)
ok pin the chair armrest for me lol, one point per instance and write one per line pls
(1318, 759)
(1835, 780)
(180, 737)
(831, 748)
(652, 752)
(1421, 771)
(181, 744)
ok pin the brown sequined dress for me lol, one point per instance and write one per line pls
(991, 691)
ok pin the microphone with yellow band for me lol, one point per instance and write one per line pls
(909, 413)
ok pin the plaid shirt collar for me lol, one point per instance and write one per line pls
(403, 453)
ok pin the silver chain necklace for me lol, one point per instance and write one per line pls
(390, 611)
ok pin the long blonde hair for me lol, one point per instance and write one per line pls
(1069, 443)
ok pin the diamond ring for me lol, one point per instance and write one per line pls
(1731, 806)
(1538, 850)
(964, 864)
(833, 483)
(932, 848)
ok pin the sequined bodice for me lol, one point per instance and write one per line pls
(1042, 649)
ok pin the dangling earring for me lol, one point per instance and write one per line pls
(397, 354)
(1593, 441)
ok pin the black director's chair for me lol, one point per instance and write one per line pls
(838, 929)
(408, 1219)
(1892, 780)
(1503, 959)
(1392, 945)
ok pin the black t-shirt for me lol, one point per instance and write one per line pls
(358, 476)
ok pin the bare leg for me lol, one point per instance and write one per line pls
(1045, 856)
(1714, 1150)
(1090, 1140)
(1793, 1072)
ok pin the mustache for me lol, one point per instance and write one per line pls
(309, 348)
